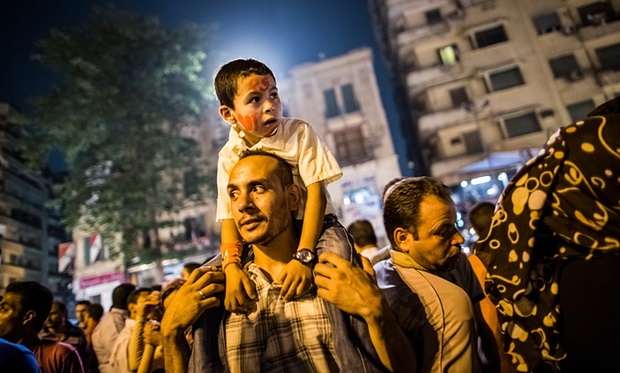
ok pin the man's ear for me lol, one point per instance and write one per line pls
(29, 317)
(293, 194)
(403, 240)
(227, 114)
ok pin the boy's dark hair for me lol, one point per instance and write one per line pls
(34, 297)
(363, 233)
(283, 170)
(226, 78)
(480, 217)
(402, 203)
(95, 311)
(134, 295)
(120, 294)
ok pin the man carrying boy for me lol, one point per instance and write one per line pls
(250, 103)
(301, 335)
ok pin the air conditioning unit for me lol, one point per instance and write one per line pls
(574, 76)
(569, 29)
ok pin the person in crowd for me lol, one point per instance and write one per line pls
(17, 358)
(364, 238)
(436, 315)
(13, 356)
(58, 328)
(110, 325)
(120, 354)
(93, 316)
(554, 245)
(188, 268)
(480, 217)
(309, 338)
(249, 101)
(23, 312)
(80, 312)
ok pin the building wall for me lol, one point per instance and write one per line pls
(29, 232)
(457, 129)
(357, 195)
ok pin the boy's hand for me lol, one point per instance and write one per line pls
(240, 291)
(296, 280)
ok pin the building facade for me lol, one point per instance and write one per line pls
(340, 98)
(30, 233)
(485, 82)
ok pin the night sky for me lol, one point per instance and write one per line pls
(281, 33)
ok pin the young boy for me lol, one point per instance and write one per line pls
(249, 101)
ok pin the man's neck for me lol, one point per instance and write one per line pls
(274, 255)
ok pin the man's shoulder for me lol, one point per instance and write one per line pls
(57, 348)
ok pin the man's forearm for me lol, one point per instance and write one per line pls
(176, 351)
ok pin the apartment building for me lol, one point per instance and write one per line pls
(30, 233)
(340, 98)
(483, 83)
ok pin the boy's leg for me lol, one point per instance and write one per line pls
(335, 238)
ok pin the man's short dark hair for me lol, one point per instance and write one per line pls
(190, 267)
(363, 233)
(34, 297)
(402, 203)
(120, 294)
(480, 217)
(283, 170)
(62, 308)
(134, 295)
(83, 302)
(226, 78)
(95, 311)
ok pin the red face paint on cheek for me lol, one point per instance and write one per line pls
(249, 122)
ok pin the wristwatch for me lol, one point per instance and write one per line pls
(305, 256)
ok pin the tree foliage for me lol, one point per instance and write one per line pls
(129, 86)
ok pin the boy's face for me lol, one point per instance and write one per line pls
(258, 109)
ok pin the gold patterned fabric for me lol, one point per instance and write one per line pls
(563, 204)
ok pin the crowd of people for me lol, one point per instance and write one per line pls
(294, 291)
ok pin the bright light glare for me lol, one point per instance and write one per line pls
(464, 184)
(481, 180)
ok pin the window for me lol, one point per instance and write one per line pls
(580, 110)
(331, 106)
(350, 103)
(521, 125)
(473, 142)
(547, 23)
(565, 66)
(194, 228)
(506, 79)
(459, 97)
(491, 36)
(609, 57)
(448, 55)
(350, 147)
(433, 16)
(597, 13)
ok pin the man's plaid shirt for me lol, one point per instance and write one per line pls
(294, 336)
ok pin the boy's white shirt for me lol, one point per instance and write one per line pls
(294, 141)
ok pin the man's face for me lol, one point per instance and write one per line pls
(80, 313)
(439, 242)
(11, 317)
(257, 109)
(259, 205)
(56, 318)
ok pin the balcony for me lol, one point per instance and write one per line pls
(421, 79)
(608, 77)
(591, 32)
(413, 34)
(434, 121)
